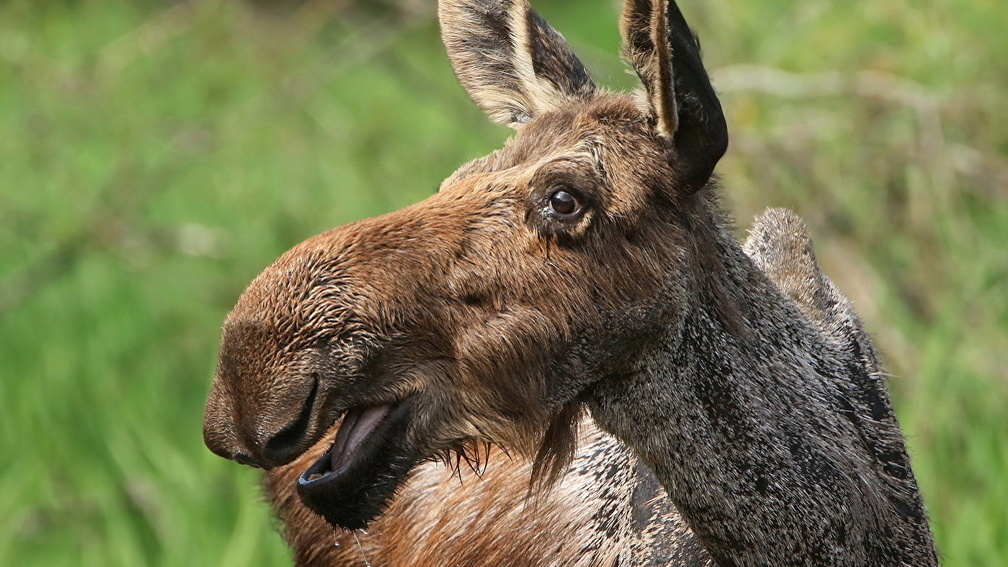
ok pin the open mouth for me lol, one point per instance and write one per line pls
(353, 481)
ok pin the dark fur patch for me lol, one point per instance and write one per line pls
(552, 61)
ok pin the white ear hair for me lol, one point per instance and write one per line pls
(510, 61)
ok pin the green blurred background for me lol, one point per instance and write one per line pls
(154, 156)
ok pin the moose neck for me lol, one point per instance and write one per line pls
(741, 410)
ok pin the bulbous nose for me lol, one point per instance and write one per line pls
(219, 431)
(274, 435)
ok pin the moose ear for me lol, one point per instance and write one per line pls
(666, 56)
(510, 61)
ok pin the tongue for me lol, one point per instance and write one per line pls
(355, 427)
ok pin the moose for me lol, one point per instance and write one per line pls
(572, 316)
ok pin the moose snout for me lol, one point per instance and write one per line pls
(273, 436)
(219, 430)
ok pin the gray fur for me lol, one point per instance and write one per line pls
(779, 448)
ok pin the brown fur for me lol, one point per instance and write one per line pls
(475, 516)
(488, 317)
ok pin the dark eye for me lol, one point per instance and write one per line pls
(563, 203)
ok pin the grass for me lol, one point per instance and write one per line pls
(156, 156)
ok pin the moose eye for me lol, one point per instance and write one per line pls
(564, 203)
(559, 207)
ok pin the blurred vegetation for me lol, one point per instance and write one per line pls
(155, 156)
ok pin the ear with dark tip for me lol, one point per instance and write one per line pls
(510, 61)
(682, 100)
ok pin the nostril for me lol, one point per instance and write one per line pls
(289, 442)
(285, 446)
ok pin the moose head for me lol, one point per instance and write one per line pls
(485, 312)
